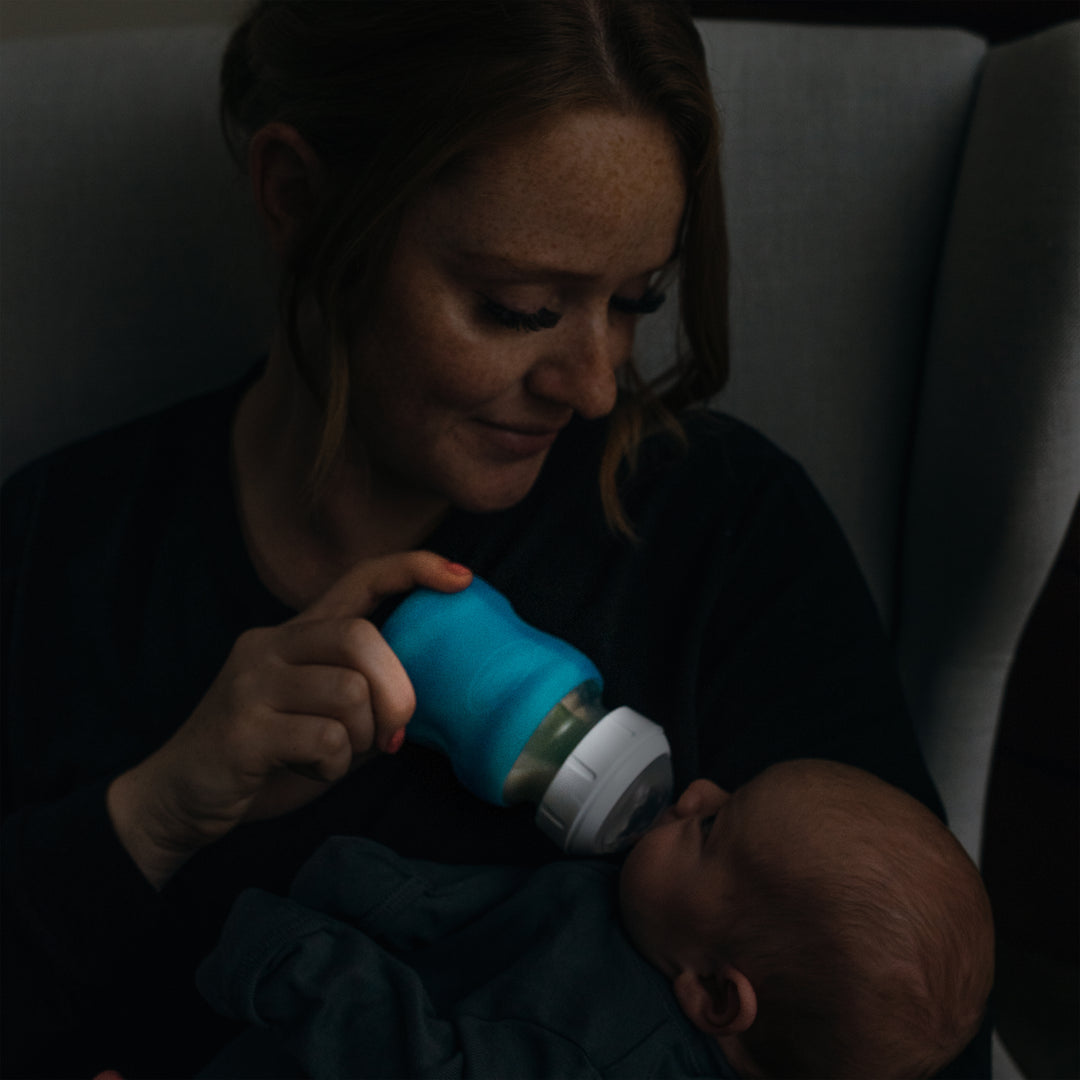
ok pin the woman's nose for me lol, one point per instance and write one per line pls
(580, 371)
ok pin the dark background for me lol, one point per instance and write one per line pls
(996, 20)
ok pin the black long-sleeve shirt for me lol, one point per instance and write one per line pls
(737, 619)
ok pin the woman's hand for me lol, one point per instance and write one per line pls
(294, 709)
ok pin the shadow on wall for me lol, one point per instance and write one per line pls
(1031, 847)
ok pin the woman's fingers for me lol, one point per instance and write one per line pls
(294, 708)
(359, 591)
(320, 690)
(345, 669)
(333, 632)
(312, 746)
(348, 697)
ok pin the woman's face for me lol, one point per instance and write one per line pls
(510, 305)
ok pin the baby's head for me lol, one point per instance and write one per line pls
(816, 922)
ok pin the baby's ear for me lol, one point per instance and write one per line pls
(720, 1002)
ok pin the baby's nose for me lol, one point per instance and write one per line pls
(702, 796)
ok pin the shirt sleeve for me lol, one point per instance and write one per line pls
(82, 929)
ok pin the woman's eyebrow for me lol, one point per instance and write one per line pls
(520, 268)
(525, 269)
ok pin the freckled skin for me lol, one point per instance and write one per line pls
(562, 218)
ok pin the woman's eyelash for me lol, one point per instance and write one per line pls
(707, 824)
(520, 320)
(645, 304)
(545, 319)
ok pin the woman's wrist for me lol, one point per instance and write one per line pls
(157, 839)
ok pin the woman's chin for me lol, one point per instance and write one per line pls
(488, 490)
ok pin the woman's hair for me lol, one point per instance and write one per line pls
(390, 94)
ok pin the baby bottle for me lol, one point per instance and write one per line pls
(519, 714)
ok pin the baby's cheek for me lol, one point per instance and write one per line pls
(628, 898)
(636, 882)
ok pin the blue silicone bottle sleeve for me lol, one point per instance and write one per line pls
(484, 679)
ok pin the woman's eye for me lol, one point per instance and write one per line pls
(646, 304)
(706, 825)
(519, 320)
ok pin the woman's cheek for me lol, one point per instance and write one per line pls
(470, 374)
(436, 353)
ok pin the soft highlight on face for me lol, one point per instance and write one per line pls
(572, 219)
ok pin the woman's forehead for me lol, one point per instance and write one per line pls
(594, 189)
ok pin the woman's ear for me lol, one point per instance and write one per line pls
(721, 1002)
(286, 182)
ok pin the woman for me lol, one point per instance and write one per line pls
(472, 205)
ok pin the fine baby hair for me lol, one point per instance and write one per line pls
(865, 928)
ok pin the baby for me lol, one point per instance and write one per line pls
(817, 922)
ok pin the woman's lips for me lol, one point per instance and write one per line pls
(517, 441)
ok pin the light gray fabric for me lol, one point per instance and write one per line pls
(131, 272)
(996, 464)
(132, 275)
(841, 151)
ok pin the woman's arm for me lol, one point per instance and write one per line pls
(88, 941)
(295, 709)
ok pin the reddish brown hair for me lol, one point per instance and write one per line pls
(390, 93)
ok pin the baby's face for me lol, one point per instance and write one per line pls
(673, 882)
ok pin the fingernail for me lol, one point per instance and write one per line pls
(393, 744)
(457, 568)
